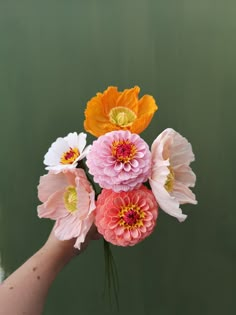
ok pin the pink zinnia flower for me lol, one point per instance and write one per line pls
(126, 218)
(171, 175)
(119, 160)
(69, 199)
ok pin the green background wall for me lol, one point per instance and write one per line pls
(54, 56)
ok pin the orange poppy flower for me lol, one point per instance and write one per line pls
(114, 110)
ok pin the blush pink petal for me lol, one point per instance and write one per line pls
(54, 207)
(86, 225)
(67, 228)
(49, 184)
(73, 223)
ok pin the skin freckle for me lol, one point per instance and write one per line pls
(11, 288)
(38, 277)
(34, 269)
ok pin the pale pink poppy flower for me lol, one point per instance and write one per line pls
(119, 160)
(65, 153)
(126, 218)
(171, 175)
(69, 199)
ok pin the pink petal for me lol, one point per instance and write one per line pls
(119, 230)
(127, 167)
(54, 207)
(118, 166)
(85, 227)
(49, 184)
(127, 235)
(134, 233)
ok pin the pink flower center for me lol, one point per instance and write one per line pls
(70, 156)
(131, 216)
(123, 150)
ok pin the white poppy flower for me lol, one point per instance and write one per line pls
(171, 175)
(65, 152)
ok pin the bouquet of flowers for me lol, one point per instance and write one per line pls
(135, 180)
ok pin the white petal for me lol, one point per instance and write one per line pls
(183, 194)
(86, 151)
(53, 156)
(81, 141)
(185, 175)
(72, 139)
(167, 203)
(58, 168)
(159, 173)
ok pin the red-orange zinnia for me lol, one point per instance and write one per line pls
(114, 110)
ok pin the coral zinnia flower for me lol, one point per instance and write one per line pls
(126, 218)
(65, 152)
(119, 161)
(69, 199)
(114, 110)
(171, 175)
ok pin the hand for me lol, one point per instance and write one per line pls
(67, 247)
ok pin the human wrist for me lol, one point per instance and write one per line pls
(59, 253)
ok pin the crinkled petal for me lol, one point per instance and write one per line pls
(170, 173)
(54, 207)
(183, 194)
(67, 228)
(86, 225)
(167, 203)
(49, 184)
(185, 175)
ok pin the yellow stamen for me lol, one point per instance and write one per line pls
(169, 184)
(70, 156)
(122, 116)
(70, 199)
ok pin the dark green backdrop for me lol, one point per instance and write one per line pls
(54, 56)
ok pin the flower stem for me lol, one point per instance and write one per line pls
(111, 275)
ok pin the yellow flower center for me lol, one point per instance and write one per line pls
(170, 180)
(122, 116)
(70, 199)
(131, 216)
(123, 150)
(70, 156)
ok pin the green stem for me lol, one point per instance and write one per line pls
(111, 275)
